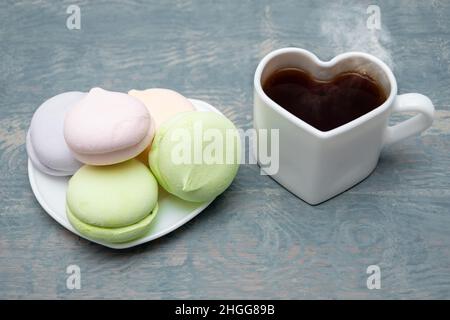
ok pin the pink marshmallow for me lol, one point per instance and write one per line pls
(108, 127)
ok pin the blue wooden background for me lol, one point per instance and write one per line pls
(256, 240)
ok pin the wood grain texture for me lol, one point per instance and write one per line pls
(256, 240)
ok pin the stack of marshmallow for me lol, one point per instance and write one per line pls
(119, 147)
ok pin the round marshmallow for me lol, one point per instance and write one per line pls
(162, 104)
(45, 142)
(195, 155)
(115, 203)
(108, 127)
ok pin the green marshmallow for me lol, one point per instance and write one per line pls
(195, 155)
(113, 203)
(113, 235)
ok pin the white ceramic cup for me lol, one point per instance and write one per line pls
(317, 165)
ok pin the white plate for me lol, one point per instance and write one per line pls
(173, 212)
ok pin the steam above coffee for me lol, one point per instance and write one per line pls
(328, 104)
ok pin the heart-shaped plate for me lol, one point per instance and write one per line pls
(50, 192)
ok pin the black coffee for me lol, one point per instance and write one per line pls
(324, 104)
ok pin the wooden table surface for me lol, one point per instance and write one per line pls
(256, 240)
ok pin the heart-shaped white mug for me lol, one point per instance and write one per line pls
(317, 165)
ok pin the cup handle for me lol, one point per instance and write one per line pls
(410, 102)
